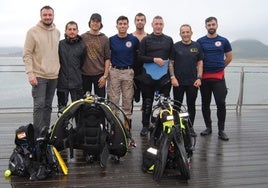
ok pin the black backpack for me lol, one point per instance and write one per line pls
(97, 131)
(32, 158)
(19, 163)
(91, 132)
(164, 141)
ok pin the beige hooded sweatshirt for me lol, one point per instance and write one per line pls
(40, 53)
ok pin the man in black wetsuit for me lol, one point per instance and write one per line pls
(154, 51)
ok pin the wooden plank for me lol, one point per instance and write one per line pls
(241, 162)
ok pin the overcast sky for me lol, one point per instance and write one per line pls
(237, 19)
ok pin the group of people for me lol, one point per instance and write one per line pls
(125, 65)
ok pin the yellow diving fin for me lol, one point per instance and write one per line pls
(62, 164)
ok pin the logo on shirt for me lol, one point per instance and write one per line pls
(128, 44)
(193, 50)
(218, 43)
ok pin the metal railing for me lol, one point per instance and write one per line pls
(247, 86)
(253, 84)
(241, 92)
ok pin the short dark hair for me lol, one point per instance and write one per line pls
(186, 25)
(140, 14)
(158, 17)
(71, 23)
(46, 7)
(210, 19)
(121, 18)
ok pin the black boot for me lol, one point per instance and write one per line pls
(206, 132)
(223, 136)
(192, 132)
(146, 114)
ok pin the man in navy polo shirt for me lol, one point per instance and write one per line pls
(217, 55)
(123, 48)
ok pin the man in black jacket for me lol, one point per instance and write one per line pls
(72, 51)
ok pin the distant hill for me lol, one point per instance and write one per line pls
(242, 49)
(249, 49)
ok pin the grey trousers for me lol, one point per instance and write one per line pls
(43, 95)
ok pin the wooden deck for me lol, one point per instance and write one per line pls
(241, 162)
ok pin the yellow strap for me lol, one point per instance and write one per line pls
(169, 123)
(181, 123)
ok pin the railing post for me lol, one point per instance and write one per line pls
(241, 92)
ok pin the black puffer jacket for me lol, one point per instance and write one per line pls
(72, 54)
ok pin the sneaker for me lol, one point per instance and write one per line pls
(192, 132)
(223, 136)
(206, 132)
(144, 131)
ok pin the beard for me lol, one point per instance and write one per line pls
(140, 27)
(212, 31)
(47, 25)
(47, 22)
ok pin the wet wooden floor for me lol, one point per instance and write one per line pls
(241, 162)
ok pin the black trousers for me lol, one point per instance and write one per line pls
(63, 95)
(148, 92)
(89, 81)
(219, 90)
(191, 95)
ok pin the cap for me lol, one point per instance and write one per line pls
(95, 16)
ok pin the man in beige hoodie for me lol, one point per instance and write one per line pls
(42, 65)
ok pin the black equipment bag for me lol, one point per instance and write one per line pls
(30, 157)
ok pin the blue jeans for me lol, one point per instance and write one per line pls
(191, 95)
(219, 90)
(43, 95)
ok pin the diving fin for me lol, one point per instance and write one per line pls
(62, 164)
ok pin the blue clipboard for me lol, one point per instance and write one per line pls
(155, 70)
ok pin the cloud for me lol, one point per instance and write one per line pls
(237, 18)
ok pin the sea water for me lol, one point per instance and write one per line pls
(15, 89)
